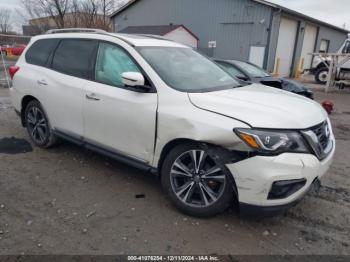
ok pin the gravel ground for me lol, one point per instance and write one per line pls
(71, 201)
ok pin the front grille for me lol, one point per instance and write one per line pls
(323, 134)
(319, 138)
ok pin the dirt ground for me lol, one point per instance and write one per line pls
(71, 201)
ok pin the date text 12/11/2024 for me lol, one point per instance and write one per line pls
(173, 258)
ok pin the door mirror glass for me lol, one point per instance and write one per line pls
(133, 79)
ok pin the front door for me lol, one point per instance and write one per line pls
(116, 117)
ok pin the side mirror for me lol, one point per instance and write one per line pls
(133, 79)
(136, 81)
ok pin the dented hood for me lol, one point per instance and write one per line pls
(262, 106)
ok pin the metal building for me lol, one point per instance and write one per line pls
(266, 34)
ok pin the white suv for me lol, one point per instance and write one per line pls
(162, 107)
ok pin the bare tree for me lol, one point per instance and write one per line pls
(88, 13)
(107, 7)
(5, 21)
(52, 9)
(71, 13)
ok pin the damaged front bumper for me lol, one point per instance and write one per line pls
(256, 176)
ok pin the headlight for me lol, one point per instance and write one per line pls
(273, 142)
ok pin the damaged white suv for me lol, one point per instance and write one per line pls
(162, 107)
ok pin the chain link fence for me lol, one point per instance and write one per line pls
(11, 47)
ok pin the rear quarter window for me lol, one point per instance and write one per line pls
(75, 57)
(40, 51)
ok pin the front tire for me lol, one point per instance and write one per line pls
(321, 76)
(38, 125)
(197, 181)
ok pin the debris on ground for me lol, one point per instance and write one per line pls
(266, 233)
(92, 213)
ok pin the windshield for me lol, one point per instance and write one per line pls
(252, 70)
(186, 70)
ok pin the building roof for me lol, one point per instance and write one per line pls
(154, 30)
(284, 9)
(301, 15)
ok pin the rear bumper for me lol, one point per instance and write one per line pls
(255, 177)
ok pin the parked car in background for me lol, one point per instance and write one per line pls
(4, 49)
(163, 107)
(17, 49)
(248, 72)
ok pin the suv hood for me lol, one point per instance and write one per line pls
(262, 106)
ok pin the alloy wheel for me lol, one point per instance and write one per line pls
(197, 179)
(37, 125)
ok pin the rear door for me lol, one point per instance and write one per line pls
(71, 69)
(117, 118)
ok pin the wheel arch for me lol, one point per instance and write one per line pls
(25, 101)
(322, 65)
(169, 146)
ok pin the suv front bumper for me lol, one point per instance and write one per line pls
(255, 176)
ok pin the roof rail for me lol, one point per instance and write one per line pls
(76, 30)
(156, 37)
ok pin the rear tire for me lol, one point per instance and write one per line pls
(321, 75)
(38, 125)
(197, 181)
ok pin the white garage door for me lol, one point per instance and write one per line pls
(308, 45)
(256, 55)
(285, 45)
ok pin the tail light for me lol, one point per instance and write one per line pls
(13, 70)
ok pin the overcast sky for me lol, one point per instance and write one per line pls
(335, 12)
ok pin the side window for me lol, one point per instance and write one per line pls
(231, 70)
(40, 51)
(324, 46)
(346, 48)
(75, 57)
(111, 62)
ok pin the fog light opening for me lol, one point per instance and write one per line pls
(285, 188)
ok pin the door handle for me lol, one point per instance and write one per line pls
(92, 96)
(42, 82)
